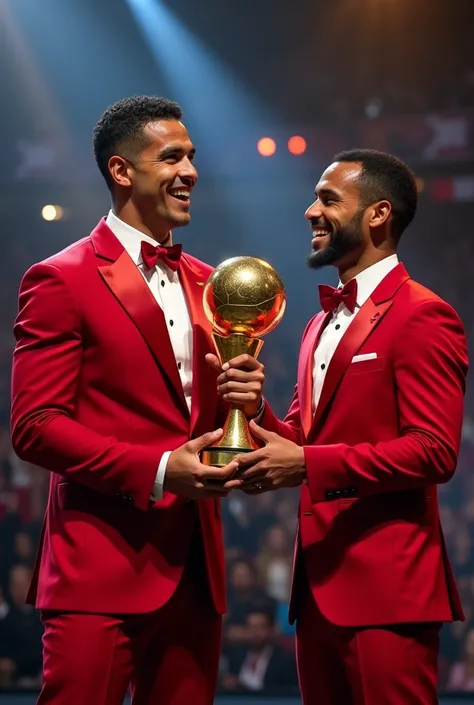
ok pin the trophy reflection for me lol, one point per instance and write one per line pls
(243, 298)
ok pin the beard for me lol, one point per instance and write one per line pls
(341, 241)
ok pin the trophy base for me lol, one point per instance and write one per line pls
(219, 457)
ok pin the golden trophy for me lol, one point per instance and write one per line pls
(243, 298)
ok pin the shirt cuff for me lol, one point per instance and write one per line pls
(157, 494)
(260, 411)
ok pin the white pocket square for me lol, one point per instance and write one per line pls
(366, 356)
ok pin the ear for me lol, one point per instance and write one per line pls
(119, 169)
(379, 213)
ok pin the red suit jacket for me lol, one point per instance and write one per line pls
(97, 399)
(385, 433)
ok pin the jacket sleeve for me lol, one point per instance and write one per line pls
(290, 427)
(431, 363)
(47, 364)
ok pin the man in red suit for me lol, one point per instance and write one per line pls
(112, 394)
(373, 427)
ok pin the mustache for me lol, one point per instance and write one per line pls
(320, 223)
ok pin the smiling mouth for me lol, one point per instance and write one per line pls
(320, 232)
(182, 195)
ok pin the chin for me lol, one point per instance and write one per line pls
(180, 221)
(321, 258)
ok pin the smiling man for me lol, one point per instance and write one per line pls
(374, 426)
(111, 393)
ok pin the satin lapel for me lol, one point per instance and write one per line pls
(305, 369)
(132, 292)
(361, 327)
(193, 280)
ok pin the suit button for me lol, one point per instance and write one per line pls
(345, 493)
(337, 493)
(352, 491)
(329, 495)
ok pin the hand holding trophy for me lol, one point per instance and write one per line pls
(244, 298)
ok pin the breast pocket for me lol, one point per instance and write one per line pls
(374, 365)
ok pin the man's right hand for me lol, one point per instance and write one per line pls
(240, 381)
(187, 477)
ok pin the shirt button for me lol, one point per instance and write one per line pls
(338, 326)
(162, 282)
(171, 323)
(179, 365)
(323, 366)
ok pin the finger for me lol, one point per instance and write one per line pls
(207, 439)
(254, 490)
(241, 376)
(209, 473)
(246, 460)
(246, 361)
(240, 397)
(234, 484)
(256, 482)
(261, 433)
(214, 362)
(211, 492)
(253, 474)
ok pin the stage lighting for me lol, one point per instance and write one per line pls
(266, 146)
(51, 213)
(297, 145)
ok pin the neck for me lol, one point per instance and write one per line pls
(128, 213)
(367, 259)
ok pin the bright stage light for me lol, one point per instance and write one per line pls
(266, 146)
(297, 145)
(51, 213)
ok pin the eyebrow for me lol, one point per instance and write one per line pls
(325, 192)
(168, 151)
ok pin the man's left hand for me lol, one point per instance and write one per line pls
(280, 463)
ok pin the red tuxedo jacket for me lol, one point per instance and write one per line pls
(97, 399)
(385, 433)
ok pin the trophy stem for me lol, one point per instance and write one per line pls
(235, 344)
(236, 438)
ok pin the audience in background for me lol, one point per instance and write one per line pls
(260, 663)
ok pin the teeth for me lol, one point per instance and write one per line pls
(180, 193)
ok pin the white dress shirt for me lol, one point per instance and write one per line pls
(254, 669)
(166, 288)
(367, 282)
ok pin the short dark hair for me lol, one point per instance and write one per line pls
(385, 177)
(120, 128)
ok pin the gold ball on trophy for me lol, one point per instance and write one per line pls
(244, 295)
(244, 298)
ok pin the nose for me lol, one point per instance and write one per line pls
(188, 172)
(314, 211)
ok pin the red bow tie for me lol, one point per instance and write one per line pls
(171, 256)
(331, 298)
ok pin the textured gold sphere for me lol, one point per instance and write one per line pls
(244, 295)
